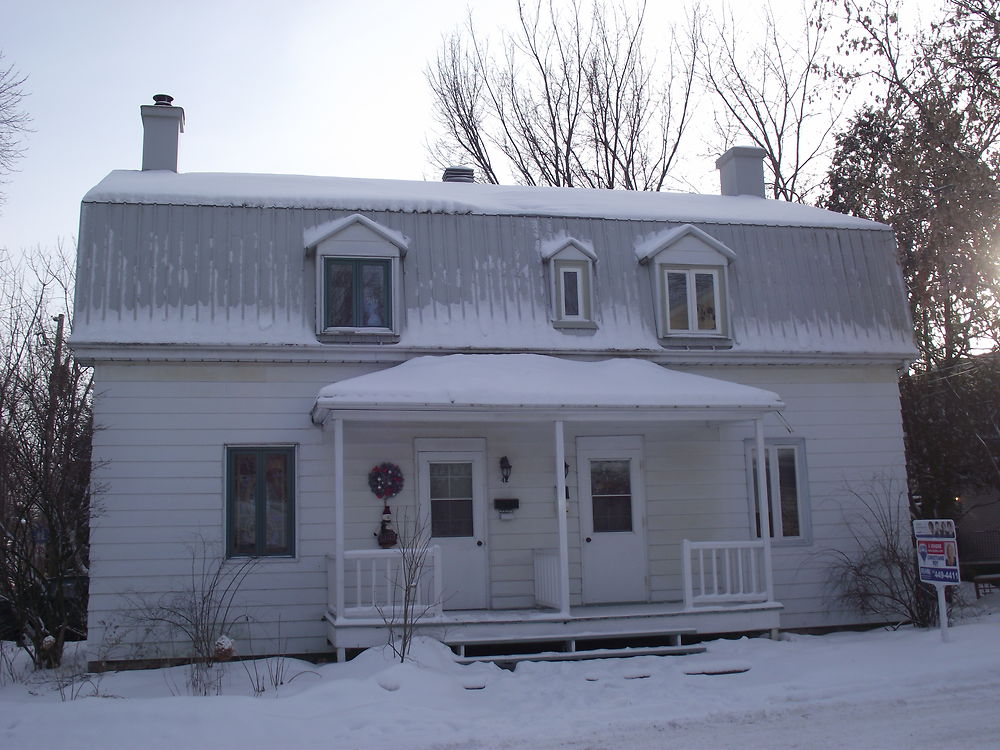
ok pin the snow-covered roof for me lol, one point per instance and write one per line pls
(408, 196)
(651, 246)
(551, 247)
(315, 235)
(516, 382)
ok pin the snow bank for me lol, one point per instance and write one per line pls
(878, 689)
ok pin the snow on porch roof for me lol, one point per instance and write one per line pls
(518, 382)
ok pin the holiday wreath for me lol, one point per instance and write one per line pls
(385, 480)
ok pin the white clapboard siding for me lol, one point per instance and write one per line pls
(164, 473)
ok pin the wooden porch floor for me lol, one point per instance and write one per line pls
(471, 627)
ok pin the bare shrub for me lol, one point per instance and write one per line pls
(409, 600)
(202, 615)
(879, 575)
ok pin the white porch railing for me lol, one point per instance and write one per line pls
(374, 582)
(725, 573)
(547, 578)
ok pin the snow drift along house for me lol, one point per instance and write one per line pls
(596, 399)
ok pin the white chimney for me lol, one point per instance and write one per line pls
(162, 124)
(741, 171)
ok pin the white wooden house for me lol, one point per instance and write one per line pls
(659, 376)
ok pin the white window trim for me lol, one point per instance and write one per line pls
(804, 536)
(581, 303)
(720, 294)
(692, 300)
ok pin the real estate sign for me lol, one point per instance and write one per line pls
(937, 551)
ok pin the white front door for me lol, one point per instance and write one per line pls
(453, 502)
(612, 519)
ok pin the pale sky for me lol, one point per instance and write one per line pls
(326, 87)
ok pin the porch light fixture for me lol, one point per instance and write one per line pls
(505, 468)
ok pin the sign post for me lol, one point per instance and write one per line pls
(937, 560)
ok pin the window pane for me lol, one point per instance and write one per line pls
(451, 499)
(611, 495)
(704, 287)
(339, 294)
(451, 517)
(571, 293)
(277, 534)
(244, 497)
(677, 304)
(789, 490)
(767, 484)
(374, 298)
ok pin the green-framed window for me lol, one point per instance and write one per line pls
(260, 501)
(357, 293)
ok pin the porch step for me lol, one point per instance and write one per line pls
(597, 653)
(580, 633)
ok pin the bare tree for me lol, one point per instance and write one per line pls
(924, 156)
(770, 93)
(13, 119)
(45, 461)
(574, 100)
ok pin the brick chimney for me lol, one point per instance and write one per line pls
(741, 171)
(162, 124)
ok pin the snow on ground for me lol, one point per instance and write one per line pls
(880, 689)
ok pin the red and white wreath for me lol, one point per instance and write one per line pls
(385, 480)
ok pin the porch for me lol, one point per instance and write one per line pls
(701, 586)
(727, 588)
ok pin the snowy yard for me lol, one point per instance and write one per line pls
(879, 689)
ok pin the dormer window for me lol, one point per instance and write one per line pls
(571, 274)
(358, 279)
(690, 271)
(357, 293)
(693, 299)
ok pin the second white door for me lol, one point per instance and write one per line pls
(612, 519)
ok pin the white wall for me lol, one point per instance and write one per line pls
(160, 449)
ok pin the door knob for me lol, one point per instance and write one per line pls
(479, 542)
(588, 540)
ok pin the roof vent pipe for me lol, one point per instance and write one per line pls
(162, 124)
(741, 171)
(459, 174)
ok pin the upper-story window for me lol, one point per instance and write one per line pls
(571, 282)
(358, 278)
(693, 299)
(357, 293)
(690, 275)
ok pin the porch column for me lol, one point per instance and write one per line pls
(561, 513)
(763, 506)
(338, 510)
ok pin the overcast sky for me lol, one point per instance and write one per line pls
(328, 87)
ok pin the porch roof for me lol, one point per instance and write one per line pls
(521, 386)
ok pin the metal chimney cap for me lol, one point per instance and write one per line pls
(162, 100)
(459, 174)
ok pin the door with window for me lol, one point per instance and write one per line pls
(453, 502)
(612, 519)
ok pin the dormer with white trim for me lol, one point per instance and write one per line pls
(570, 265)
(358, 279)
(689, 273)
